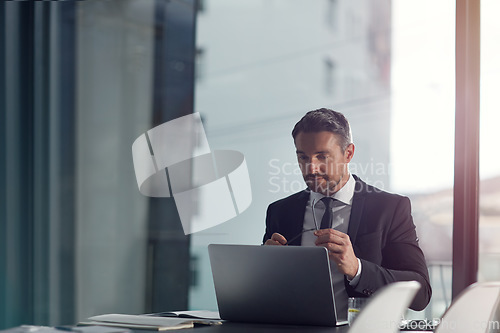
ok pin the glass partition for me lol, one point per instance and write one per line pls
(81, 81)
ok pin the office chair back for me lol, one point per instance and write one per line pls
(383, 312)
(473, 310)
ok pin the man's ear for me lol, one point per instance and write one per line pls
(349, 152)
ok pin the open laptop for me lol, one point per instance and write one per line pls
(274, 284)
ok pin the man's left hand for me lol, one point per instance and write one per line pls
(339, 249)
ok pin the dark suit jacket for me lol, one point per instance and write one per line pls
(382, 233)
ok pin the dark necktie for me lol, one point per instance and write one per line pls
(326, 221)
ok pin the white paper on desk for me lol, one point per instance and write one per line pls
(137, 326)
(163, 322)
(196, 314)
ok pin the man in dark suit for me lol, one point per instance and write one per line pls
(369, 233)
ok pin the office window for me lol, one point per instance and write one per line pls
(397, 93)
(489, 188)
(423, 105)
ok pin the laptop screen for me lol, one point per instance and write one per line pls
(274, 284)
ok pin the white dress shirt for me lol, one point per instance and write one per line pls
(341, 213)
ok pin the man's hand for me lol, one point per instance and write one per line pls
(276, 239)
(339, 249)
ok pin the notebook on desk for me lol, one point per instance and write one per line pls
(274, 284)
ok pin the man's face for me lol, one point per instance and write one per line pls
(323, 164)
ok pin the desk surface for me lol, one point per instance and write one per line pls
(267, 328)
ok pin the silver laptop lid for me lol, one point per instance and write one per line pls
(274, 284)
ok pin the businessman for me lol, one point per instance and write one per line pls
(369, 233)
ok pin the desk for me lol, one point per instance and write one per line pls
(231, 327)
(268, 328)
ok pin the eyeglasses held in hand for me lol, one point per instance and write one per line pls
(315, 201)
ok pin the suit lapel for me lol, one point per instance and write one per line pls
(358, 202)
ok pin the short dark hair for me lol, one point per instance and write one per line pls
(325, 120)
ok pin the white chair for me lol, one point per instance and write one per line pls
(384, 310)
(473, 310)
